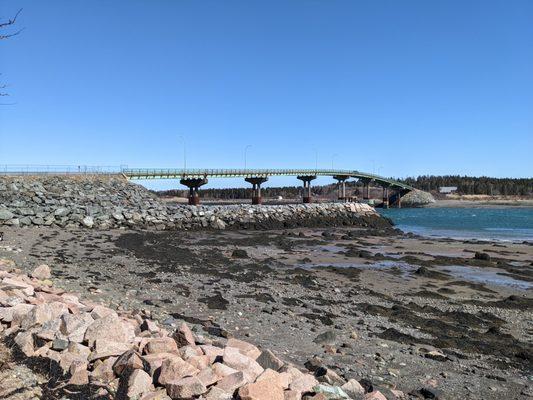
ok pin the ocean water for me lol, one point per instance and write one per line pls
(503, 224)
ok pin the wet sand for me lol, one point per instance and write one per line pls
(372, 304)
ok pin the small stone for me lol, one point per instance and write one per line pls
(329, 376)
(328, 337)
(150, 326)
(376, 395)
(109, 328)
(482, 256)
(127, 362)
(88, 222)
(185, 388)
(216, 393)
(161, 345)
(239, 253)
(183, 336)
(207, 376)
(5, 215)
(103, 370)
(283, 380)
(305, 383)
(139, 383)
(292, 395)
(59, 344)
(42, 313)
(105, 348)
(234, 359)
(267, 359)
(101, 312)
(24, 341)
(79, 375)
(73, 326)
(175, 368)
(42, 272)
(353, 388)
(245, 348)
(232, 382)
(264, 390)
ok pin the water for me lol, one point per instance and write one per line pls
(503, 224)
(490, 276)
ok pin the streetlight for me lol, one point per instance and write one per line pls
(332, 157)
(245, 153)
(316, 160)
(184, 153)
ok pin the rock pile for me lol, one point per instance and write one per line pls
(111, 202)
(128, 356)
(417, 198)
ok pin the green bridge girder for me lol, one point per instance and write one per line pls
(151, 173)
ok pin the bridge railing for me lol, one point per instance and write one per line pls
(31, 169)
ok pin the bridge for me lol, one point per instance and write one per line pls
(195, 178)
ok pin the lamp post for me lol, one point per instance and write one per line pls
(332, 158)
(245, 154)
(184, 153)
(316, 159)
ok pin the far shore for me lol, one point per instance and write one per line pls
(460, 203)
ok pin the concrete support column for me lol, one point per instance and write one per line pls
(341, 185)
(366, 188)
(307, 198)
(256, 182)
(385, 197)
(399, 203)
(193, 184)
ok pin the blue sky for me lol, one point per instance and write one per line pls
(398, 88)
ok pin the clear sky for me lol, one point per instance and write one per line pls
(400, 88)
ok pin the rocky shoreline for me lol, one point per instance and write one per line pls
(95, 350)
(111, 202)
(383, 308)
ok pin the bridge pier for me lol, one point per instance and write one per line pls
(256, 182)
(399, 202)
(385, 197)
(193, 184)
(341, 185)
(366, 188)
(306, 179)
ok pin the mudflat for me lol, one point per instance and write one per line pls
(438, 317)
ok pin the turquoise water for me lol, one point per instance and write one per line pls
(508, 224)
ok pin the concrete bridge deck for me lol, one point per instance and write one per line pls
(195, 178)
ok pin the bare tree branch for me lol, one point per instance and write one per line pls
(11, 21)
(6, 36)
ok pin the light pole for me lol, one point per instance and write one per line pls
(245, 154)
(332, 158)
(316, 160)
(184, 153)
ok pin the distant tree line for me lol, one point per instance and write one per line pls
(429, 183)
(474, 185)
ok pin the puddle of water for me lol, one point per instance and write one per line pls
(328, 248)
(487, 276)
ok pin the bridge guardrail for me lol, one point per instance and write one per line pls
(29, 169)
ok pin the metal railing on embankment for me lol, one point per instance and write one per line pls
(27, 169)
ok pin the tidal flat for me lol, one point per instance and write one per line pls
(399, 311)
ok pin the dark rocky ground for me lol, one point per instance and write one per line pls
(371, 303)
